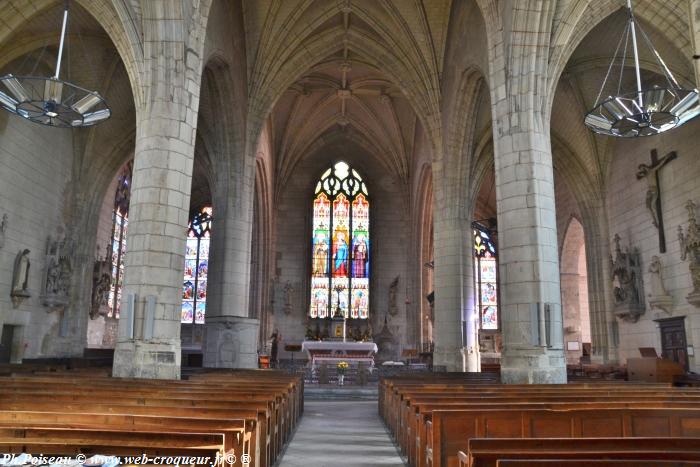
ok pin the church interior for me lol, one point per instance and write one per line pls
(412, 219)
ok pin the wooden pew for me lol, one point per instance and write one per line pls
(189, 390)
(236, 434)
(593, 463)
(403, 423)
(139, 407)
(451, 430)
(487, 452)
(419, 442)
(69, 442)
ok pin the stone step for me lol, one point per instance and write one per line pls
(333, 392)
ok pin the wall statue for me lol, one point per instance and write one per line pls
(627, 282)
(101, 284)
(20, 278)
(59, 270)
(690, 250)
(393, 290)
(659, 297)
(3, 229)
(288, 297)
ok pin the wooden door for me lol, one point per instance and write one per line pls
(673, 344)
(6, 344)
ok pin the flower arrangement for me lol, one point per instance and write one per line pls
(342, 367)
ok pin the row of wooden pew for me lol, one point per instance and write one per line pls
(231, 416)
(467, 420)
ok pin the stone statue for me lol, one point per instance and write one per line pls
(288, 297)
(393, 290)
(658, 298)
(627, 283)
(690, 250)
(59, 270)
(3, 229)
(657, 285)
(100, 294)
(101, 284)
(20, 275)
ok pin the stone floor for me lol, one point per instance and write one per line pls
(340, 433)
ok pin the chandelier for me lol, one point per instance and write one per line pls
(643, 112)
(52, 101)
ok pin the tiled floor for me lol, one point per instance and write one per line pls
(340, 433)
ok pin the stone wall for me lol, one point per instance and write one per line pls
(630, 219)
(35, 167)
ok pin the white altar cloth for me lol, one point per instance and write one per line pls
(335, 351)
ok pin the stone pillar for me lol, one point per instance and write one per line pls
(158, 216)
(231, 336)
(454, 331)
(604, 339)
(528, 260)
(148, 342)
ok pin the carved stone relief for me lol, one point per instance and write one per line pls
(627, 282)
(690, 250)
(59, 269)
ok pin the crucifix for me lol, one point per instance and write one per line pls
(653, 200)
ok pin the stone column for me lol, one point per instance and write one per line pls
(528, 260)
(604, 340)
(231, 336)
(456, 348)
(148, 342)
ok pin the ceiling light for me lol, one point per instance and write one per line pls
(643, 112)
(52, 101)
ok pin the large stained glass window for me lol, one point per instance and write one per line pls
(340, 245)
(120, 221)
(194, 285)
(485, 277)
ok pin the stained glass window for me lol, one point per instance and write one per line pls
(340, 245)
(194, 284)
(120, 221)
(485, 277)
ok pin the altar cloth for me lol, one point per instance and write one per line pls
(334, 351)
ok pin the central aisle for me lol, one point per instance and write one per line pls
(340, 433)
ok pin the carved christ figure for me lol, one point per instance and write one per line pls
(651, 173)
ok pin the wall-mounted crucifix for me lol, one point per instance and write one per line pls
(651, 173)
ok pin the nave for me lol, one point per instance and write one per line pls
(340, 433)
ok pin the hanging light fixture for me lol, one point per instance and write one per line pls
(643, 112)
(52, 101)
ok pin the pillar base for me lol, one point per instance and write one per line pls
(448, 359)
(536, 366)
(231, 342)
(137, 359)
(470, 359)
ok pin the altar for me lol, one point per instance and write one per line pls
(337, 351)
